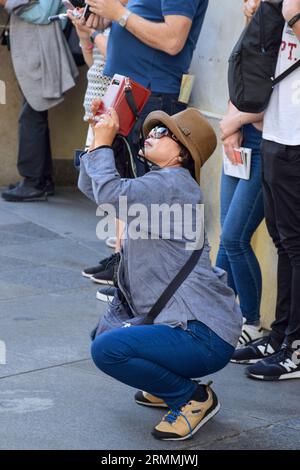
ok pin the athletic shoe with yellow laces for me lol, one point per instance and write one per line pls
(182, 423)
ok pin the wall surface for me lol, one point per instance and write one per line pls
(222, 27)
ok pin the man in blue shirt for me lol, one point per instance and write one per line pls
(152, 42)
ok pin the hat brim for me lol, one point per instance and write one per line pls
(160, 117)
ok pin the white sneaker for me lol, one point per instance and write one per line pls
(111, 242)
(250, 333)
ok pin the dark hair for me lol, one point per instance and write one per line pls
(187, 160)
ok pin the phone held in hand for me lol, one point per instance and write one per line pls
(87, 12)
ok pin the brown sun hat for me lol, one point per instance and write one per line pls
(191, 129)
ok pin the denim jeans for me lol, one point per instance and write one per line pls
(158, 101)
(242, 210)
(161, 360)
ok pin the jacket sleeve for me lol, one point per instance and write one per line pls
(38, 12)
(85, 183)
(108, 186)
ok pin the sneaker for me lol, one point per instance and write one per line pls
(49, 187)
(106, 274)
(283, 365)
(182, 423)
(255, 351)
(250, 333)
(24, 192)
(146, 399)
(89, 272)
(111, 242)
(106, 294)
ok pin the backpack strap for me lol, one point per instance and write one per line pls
(175, 284)
(286, 73)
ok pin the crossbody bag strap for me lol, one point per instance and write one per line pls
(175, 284)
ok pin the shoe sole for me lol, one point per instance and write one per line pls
(34, 199)
(151, 405)
(86, 275)
(111, 245)
(202, 423)
(103, 297)
(102, 281)
(289, 376)
(245, 361)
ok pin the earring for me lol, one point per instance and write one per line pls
(180, 159)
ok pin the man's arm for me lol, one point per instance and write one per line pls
(290, 9)
(168, 36)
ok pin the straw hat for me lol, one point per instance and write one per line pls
(191, 129)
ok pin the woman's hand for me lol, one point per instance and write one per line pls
(250, 7)
(106, 129)
(232, 142)
(230, 124)
(83, 30)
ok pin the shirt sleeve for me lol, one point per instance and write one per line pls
(186, 8)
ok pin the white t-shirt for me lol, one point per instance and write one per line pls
(282, 117)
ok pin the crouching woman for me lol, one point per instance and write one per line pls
(196, 331)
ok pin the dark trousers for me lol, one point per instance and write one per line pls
(158, 101)
(281, 185)
(34, 157)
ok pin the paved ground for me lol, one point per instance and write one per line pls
(51, 395)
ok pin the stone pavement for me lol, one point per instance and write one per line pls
(51, 395)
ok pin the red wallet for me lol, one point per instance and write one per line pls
(127, 98)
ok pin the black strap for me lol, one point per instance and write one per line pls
(131, 102)
(175, 284)
(286, 73)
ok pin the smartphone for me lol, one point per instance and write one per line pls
(86, 12)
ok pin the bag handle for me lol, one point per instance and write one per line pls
(175, 284)
(286, 73)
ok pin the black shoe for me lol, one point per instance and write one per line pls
(255, 351)
(283, 365)
(25, 192)
(89, 272)
(106, 294)
(106, 275)
(49, 187)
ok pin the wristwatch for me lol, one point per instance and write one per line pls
(94, 35)
(124, 18)
(294, 20)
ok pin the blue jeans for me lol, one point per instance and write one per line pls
(161, 360)
(242, 211)
(158, 101)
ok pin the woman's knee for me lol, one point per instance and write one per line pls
(107, 350)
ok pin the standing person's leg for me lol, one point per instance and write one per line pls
(242, 219)
(34, 156)
(147, 357)
(228, 188)
(281, 186)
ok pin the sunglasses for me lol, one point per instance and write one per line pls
(158, 132)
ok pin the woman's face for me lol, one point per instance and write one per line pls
(161, 147)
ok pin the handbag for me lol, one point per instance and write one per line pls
(128, 98)
(119, 313)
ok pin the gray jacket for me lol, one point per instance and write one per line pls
(43, 64)
(149, 265)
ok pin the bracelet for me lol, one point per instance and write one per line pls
(88, 49)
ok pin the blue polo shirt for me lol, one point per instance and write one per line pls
(154, 69)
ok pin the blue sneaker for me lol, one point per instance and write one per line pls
(283, 365)
(255, 351)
